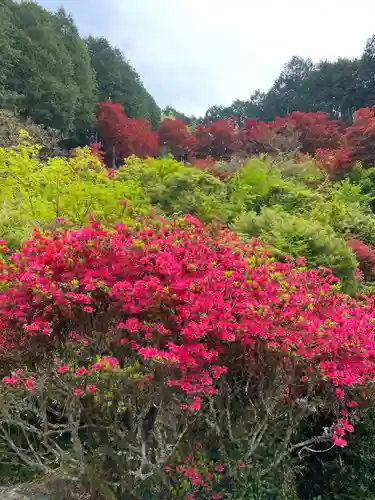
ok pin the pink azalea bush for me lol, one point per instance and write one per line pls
(158, 335)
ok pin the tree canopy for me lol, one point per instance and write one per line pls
(334, 87)
(51, 75)
(118, 81)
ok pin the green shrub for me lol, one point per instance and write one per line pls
(347, 211)
(195, 192)
(250, 185)
(35, 193)
(364, 178)
(304, 170)
(178, 189)
(261, 183)
(297, 235)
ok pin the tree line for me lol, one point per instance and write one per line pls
(335, 144)
(50, 74)
(334, 87)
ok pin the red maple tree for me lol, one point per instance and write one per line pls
(123, 136)
(359, 138)
(174, 138)
(219, 139)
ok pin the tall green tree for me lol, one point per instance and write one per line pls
(84, 77)
(286, 94)
(367, 73)
(46, 69)
(333, 88)
(239, 109)
(171, 112)
(118, 81)
(9, 55)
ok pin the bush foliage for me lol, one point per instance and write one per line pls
(127, 337)
(150, 355)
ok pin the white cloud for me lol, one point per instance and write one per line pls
(195, 53)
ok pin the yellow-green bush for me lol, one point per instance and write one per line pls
(297, 235)
(178, 189)
(263, 183)
(35, 193)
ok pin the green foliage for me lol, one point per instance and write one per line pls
(50, 74)
(263, 183)
(35, 193)
(119, 82)
(249, 185)
(268, 489)
(50, 70)
(84, 77)
(302, 169)
(365, 179)
(195, 192)
(150, 170)
(177, 189)
(297, 235)
(347, 211)
(335, 87)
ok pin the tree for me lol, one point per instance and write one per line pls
(239, 110)
(43, 75)
(275, 137)
(124, 136)
(359, 138)
(333, 88)
(219, 139)
(366, 74)
(84, 77)
(170, 112)
(119, 82)
(46, 73)
(174, 137)
(8, 54)
(286, 94)
(316, 130)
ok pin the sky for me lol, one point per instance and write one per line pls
(191, 54)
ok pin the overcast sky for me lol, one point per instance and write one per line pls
(192, 54)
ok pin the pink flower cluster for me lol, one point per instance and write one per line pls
(179, 295)
(20, 381)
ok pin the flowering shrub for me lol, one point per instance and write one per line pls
(152, 339)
